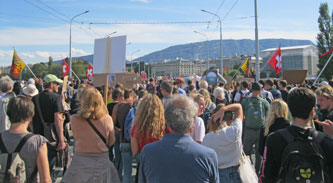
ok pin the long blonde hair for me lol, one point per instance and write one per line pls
(206, 95)
(278, 109)
(92, 105)
(149, 118)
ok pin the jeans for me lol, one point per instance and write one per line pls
(229, 175)
(126, 156)
(117, 159)
(51, 155)
(251, 137)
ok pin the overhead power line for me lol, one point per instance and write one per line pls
(183, 22)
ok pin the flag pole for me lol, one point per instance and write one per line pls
(238, 69)
(31, 71)
(329, 59)
(76, 76)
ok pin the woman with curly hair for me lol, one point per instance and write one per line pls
(149, 124)
(276, 119)
(91, 161)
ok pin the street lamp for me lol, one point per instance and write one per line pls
(108, 35)
(70, 43)
(207, 65)
(221, 52)
(132, 59)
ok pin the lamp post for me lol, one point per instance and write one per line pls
(70, 43)
(207, 64)
(221, 52)
(108, 35)
(132, 59)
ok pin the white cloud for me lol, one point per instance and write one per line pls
(78, 52)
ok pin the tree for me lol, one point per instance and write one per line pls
(50, 61)
(40, 70)
(325, 40)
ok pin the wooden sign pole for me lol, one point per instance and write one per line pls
(106, 88)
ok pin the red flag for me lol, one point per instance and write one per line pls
(225, 68)
(17, 65)
(276, 61)
(331, 50)
(90, 72)
(65, 68)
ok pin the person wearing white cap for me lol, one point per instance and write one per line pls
(30, 90)
(31, 81)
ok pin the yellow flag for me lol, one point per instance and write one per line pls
(17, 65)
(245, 65)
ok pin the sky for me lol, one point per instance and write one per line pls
(38, 29)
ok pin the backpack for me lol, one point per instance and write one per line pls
(12, 166)
(255, 112)
(242, 95)
(128, 124)
(266, 97)
(303, 159)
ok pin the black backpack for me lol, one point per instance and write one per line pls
(303, 160)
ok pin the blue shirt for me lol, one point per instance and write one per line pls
(177, 158)
(181, 91)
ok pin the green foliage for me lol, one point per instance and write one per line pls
(40, 70)
(80, 67)
(50, 61)
(325, 40)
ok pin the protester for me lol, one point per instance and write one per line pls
(276, 119)
(149, 124)
(180, 82)
(49, 108)
(34, 151)
(325, 101)
(6, 87)
(17, 88)
(166, 90)
(243, 93)
(203, 84)
(269, 87)
(226, 140)
(220, 96)
(119, 113)
(209, 105)
(277, 154)
(283, 89)
(177, 157)
(255, 110)
(30, 91)
(198, 132)
(91, 162)
(117, 96)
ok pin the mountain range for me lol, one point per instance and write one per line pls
(198, 50)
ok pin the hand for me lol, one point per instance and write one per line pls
(327, 126)
(61, 146)
(219, 115)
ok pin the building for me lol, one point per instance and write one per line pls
(177, 67)
(294, 58)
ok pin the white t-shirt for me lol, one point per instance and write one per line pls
(198, 132)
(227, 144)
(238, 95)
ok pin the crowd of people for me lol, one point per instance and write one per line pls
(172, 130)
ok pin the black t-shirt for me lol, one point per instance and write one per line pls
(275, 145)
(110, 107)
(284, 94)
(50, 103)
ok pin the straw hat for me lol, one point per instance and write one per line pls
(30, 90)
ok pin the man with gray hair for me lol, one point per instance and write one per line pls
(6, 87)
(177, 157)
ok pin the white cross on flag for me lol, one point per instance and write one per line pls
(90, 72)
(65, 68)
(276, 61)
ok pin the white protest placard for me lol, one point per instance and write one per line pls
(109, 55)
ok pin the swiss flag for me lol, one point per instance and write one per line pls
(65, 68)
(90, 72)
(276, 61)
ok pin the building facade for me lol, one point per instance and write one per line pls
(295, 58)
